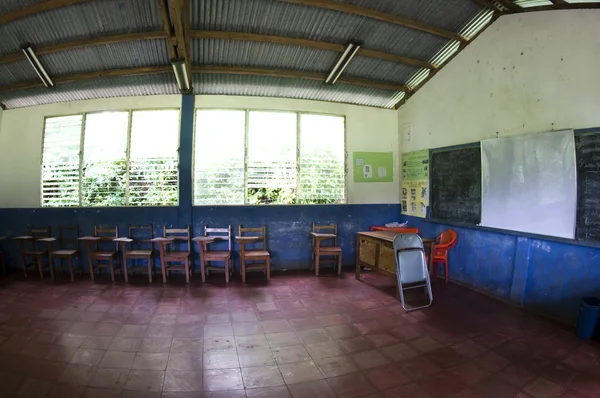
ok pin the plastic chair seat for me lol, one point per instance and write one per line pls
(63, 253)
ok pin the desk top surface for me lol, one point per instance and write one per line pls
(389, 236)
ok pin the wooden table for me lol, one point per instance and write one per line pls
(375, 250)
(89, 240)
(123, 243)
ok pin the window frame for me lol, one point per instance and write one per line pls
(298, 154)
(127, 159)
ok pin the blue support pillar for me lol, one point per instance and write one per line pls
(519, 280)
(186, 143)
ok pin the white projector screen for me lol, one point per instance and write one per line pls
(529, 183)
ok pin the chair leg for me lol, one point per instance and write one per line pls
(339, 264)
(243, 267)
(317, 260)
(202, 270)
(150, 270)
(125, 272)
(24, 262)
(268, 265)
(446, 269)
(187, 270)
(164, 271)
(91, 266)
(435, 268)
(51, 266)
(227, 269)
(38, 259)
(71, 268)
(111, 265)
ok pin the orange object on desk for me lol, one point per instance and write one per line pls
(400, 230)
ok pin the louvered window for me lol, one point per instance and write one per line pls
(219, 157)
(60, 161)
(272, 158)
(261, 157)
(322, 155)
(153, 159)
(127, 158)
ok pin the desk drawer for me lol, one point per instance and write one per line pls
(387, 261)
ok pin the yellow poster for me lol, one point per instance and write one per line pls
(415, 183)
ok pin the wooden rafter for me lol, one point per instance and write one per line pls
(179, 16)
(36, 8)
(563, 6)
(382, 16)
(17, 56)
(151, 70)
(163, 5)
(295, 75)
(206, 34)
(488, 4)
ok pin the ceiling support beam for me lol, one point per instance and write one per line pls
(381, 16)
(163, 5)
(90, 76)
(36, 8)
(176, 23)
(563, 6)
(206, 34)
(292, 74)
(489, 5)
(18, 56)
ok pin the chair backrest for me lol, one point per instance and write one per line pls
(261, 232)
(67, 237)
(326, 229)
(106, 235)
(447, 239)
(182, 236)
(39, 233)
(221, 233)
(141, 235)
(411, 265)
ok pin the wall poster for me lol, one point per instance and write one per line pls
(415, 183)
(373, 166)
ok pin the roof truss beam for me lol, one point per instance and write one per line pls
(381, 16)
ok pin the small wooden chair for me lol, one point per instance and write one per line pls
(68, 247)
(140, 248)
(182, 241)
(34, 252)
(254, 255)
(104, 253)
(333, 251)
(207, 256)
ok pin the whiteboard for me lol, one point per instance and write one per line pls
(529, 183)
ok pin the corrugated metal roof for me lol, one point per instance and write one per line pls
(377, 69)
(285, 19)
(83, 20)
(266, 86)
(20, 71)
(7, 6)
(446, 14)
(91, 89)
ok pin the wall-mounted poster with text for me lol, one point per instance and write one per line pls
(415, 183)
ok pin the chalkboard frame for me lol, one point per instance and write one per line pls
(517, 234)
(432, 151)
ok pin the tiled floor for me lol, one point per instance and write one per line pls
(299, 336)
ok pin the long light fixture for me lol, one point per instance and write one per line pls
(37, 65)
(181, 74)
(343, 62)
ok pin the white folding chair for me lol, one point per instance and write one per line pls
(411, 266)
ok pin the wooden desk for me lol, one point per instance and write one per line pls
(375, 250)
(89, 240)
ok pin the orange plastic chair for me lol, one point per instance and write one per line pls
(444, 242)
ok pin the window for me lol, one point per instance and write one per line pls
(125, 158)
(264, 157)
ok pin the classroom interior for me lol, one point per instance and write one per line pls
(222, 110)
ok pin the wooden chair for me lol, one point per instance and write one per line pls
(182, 241)
(208, 256)
(140, 248)
(331, 250)
(255, 255)
(34, 252)
(105, 251)
(68, 247)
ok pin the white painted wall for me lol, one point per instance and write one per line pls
(527, 73)
(367, 129)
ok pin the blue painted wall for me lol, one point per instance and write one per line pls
(547, 276)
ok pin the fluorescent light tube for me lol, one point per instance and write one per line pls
(37, 65)
(180, 74)
(342, 63)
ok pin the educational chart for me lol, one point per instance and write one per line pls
(415, 183)
(373, 166)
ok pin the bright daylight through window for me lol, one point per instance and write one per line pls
(261, 157)
(129, 158)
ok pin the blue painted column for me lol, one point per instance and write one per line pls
(186, 144)
(519, 280)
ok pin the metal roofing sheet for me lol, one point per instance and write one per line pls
(293, 20)
(83, 20)
(446, 14)
(377, 69)
(92, 89)
(20, 71)
(267, 86)
(7, 6)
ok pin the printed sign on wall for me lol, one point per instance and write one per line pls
(415, 183)
(373, 166)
